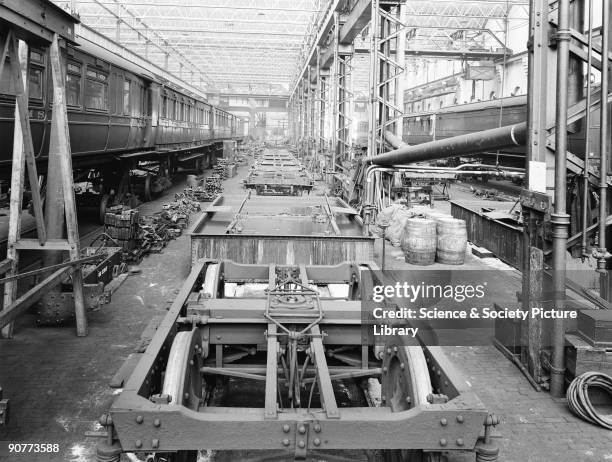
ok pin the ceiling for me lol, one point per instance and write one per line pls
(258, 46)
(247, 45)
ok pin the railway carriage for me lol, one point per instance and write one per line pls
(119, 115)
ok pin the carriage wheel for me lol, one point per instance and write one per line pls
(405, 385)
(182, 380)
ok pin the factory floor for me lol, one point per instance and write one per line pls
(57, 383)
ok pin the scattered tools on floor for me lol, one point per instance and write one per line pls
(199, 194)
(155, 231)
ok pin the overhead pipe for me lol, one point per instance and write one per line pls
(496, 138)
(395, 142)
(560, 220)
(471, 143)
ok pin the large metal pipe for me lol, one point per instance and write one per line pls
(394, 141)
(559, 218)
(472, 143)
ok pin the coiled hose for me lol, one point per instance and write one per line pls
(578, 397)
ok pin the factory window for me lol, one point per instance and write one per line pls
(126, 97)
(73, 85)
(96, 91)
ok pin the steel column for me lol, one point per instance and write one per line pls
(560, 218)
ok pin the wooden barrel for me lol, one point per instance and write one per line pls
(419, 241)
(452, 241)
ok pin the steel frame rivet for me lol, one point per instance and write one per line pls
(316, 441)
(459, 441)
(460, 418)
(155, 443)
(302, 429)
(138, 444)
(443, 422)
(286, 442)
(157, 422)
(402, 366)
(317, 428)
(443, 442)
(302, 444)
(139, 419)
(286, 428)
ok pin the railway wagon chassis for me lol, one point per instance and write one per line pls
(288, 330)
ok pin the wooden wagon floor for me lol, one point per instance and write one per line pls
(58, 383)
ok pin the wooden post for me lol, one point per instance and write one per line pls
(23, 154)
(17, 178)
(60, 140)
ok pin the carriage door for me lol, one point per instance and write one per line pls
(153, 92)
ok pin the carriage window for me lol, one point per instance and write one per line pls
(96, 91)
(73, 90)
(73, 84)
(126, 97)
(35, 89)
(164, 110)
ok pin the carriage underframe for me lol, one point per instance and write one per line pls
(296, 335)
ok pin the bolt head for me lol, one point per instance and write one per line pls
(402, 366)
(286, 442)
(317, 428)
(408, 399)
(460, 418)
(316, 442)
(157, 422)
(443, 422)
(139, 419)
(302, 429)
(459, 441)
(138, 444)
(186, 395)
(385, 369)
(155, 443)
(442, 442)
(302, 444)
(286, 428)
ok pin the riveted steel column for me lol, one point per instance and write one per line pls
(559, 218)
